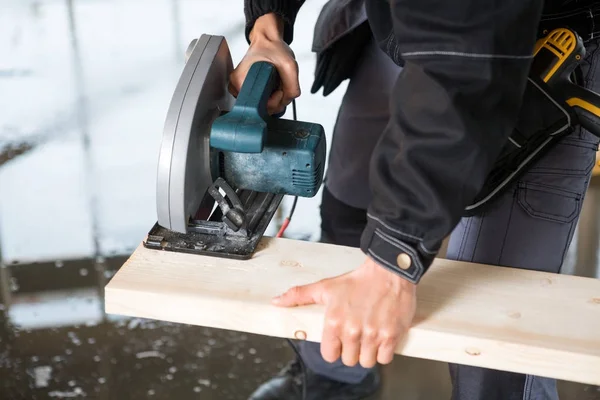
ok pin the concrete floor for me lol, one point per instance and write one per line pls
(84, 89)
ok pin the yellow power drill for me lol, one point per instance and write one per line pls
(553, 105)
(556, 56)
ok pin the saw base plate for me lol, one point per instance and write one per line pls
(213, 237)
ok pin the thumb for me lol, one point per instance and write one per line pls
(301, 295)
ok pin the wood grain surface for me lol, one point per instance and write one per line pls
(496, 317)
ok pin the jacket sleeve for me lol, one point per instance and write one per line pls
(453, 106)
(286, 9)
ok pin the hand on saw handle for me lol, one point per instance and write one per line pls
(267, 44)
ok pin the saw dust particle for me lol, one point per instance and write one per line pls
(595, 300)
(205, 382)
(152, 353)
(262, 246)
(42, 376)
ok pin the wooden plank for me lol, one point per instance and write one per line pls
(488, 316)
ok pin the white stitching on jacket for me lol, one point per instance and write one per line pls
(390, 240)
(426, 250)
(381, 260)
(463, 54)
(418, 239)
(393, 229)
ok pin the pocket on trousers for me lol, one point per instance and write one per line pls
(548, 202)
(570, 157)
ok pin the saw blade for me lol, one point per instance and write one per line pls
(186, 163)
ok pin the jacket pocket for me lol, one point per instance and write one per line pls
(548, 202)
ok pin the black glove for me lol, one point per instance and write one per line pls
(337, 62)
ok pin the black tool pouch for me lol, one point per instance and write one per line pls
(543, 121)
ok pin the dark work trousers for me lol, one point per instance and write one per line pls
(530, 226)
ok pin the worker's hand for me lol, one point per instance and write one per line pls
(367, 312)
(267, 44)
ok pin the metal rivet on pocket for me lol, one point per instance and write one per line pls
(403, 261)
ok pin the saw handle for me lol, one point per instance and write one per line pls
(244, 128)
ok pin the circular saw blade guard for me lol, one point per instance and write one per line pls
(185, 167)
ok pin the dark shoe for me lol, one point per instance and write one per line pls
(287, 385)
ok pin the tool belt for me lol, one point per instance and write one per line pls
(585, 20)
(545, 117)
(543, 121)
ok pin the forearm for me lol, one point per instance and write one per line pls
(453, 107)
(283, 12)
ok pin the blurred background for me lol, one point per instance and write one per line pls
(84, 89)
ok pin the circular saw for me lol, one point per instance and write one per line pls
(225, 163)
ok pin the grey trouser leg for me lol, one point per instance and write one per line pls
(362, 118)
(531, 227)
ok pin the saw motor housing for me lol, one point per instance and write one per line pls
(291, 162)
(265, 153)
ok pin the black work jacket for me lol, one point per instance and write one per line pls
(465, 67)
